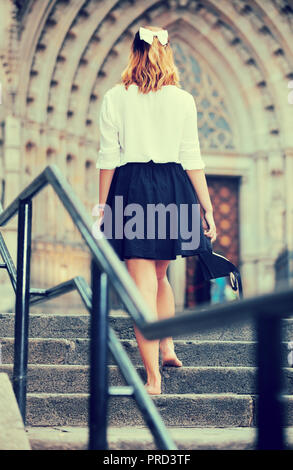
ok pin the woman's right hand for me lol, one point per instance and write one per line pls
(209, 226)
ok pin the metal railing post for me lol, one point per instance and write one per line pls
(98, 400)
(22, 305)
(270, 433)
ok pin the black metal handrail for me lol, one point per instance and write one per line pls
(101, 336)
(134, 389)
(100, 249)
(267, 310)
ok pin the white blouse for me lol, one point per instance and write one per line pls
(160, 126)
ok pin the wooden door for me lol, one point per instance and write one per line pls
(224, 193)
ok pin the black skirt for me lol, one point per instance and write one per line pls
(133, 226)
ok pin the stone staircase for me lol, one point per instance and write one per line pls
(214, 389)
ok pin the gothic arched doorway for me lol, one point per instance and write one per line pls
(224, 192)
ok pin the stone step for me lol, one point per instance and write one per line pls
(140, 438)
(191, 352)
(74, 379)
(72, 326)
(208, 410)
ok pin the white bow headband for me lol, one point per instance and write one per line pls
(147, 35)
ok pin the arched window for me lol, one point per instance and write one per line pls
(214, 120)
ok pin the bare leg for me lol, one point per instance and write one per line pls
(166, 309)
(143, 272)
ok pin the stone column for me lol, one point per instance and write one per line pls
(13, 170)
(248, 230)
(288, 155)
(264, 277)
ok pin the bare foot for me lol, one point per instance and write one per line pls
(153, 389)
(153, 385)
(169, 358)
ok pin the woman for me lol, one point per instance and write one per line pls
(149, 155)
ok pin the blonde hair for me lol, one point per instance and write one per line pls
(150, 66)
